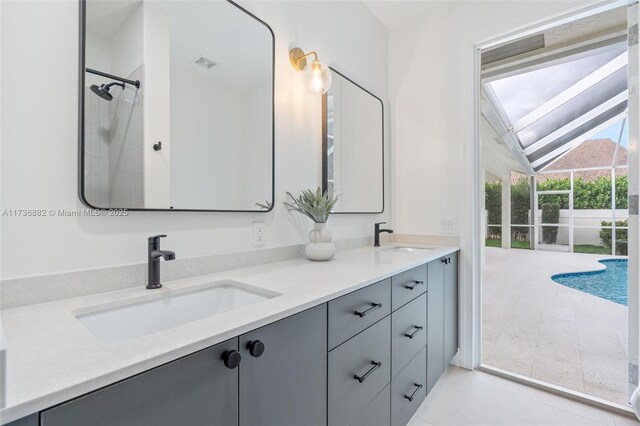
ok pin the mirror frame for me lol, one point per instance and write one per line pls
(81, 92)
(324, 143)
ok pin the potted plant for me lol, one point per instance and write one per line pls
(316, 205)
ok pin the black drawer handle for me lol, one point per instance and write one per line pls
(415, 283)
(373, 306)
(413, 395)
(416, 329)
(371, 370)
(446, 260)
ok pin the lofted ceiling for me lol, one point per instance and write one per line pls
(395, 13)
(552, 97)
(198, 29)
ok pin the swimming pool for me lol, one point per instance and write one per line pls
(610, 283)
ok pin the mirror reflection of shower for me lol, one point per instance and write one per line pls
(103, 90)
(114, 137)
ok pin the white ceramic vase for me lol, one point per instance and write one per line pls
(320, 247)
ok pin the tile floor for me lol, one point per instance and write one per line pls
(538, 328)
(463, 397)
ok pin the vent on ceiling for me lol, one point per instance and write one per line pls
(513, 48)
(204, 62)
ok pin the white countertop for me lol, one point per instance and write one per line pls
(52, 358)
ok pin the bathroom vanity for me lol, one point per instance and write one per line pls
(357, 341)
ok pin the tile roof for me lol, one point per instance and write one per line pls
(591, 153)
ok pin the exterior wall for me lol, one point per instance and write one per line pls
(586, 218)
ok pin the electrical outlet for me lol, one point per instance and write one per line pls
(448, 225)
(258, 234)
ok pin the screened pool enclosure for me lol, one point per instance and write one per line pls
(568, 191)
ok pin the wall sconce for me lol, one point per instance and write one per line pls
(317, 75)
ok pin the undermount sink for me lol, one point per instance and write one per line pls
(406, 249)
(153, 313)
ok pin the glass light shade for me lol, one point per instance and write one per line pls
(317, 78)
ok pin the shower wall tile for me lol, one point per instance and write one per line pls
(125, 151)
(96, 150)
(114, 135)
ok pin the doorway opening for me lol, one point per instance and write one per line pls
(554, 141)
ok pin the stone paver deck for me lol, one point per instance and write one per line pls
(538, 328)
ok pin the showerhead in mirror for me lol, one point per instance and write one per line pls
(103, 90)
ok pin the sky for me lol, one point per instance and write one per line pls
(613, 132)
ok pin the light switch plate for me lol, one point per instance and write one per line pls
(448, 225)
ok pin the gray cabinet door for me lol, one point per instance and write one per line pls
(435, 322)
(450, 308)
(31, 420)
(287, 384)
(195, 390)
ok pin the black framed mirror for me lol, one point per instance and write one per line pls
(353, 146)
(176, 106)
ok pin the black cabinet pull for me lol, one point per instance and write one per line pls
(373, 306)
(231, 358)
(443, 260)
(415, 283)
(371, 370)
(256, 348)
(416, 329)
(418, 387)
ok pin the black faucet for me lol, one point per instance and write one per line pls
(376, 233)
(154, 260)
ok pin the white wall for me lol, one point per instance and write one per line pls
(127, 46)
(431, 76)
(208, 122)
(357, 140)
(257, 147)
(156, 107)
(584, 217)
(97, 56)
(39, 140)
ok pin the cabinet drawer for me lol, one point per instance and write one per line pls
(352, 313)
(377, 412)
(408, 390)
(408, 285)
(355, 359)
(410, 320)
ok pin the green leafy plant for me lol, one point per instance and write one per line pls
(520, 208)
(550, 214)
(621, 236)
(593, 194)
(266, 205)
(493, 204)
(316, 205)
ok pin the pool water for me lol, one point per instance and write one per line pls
(610, 283)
